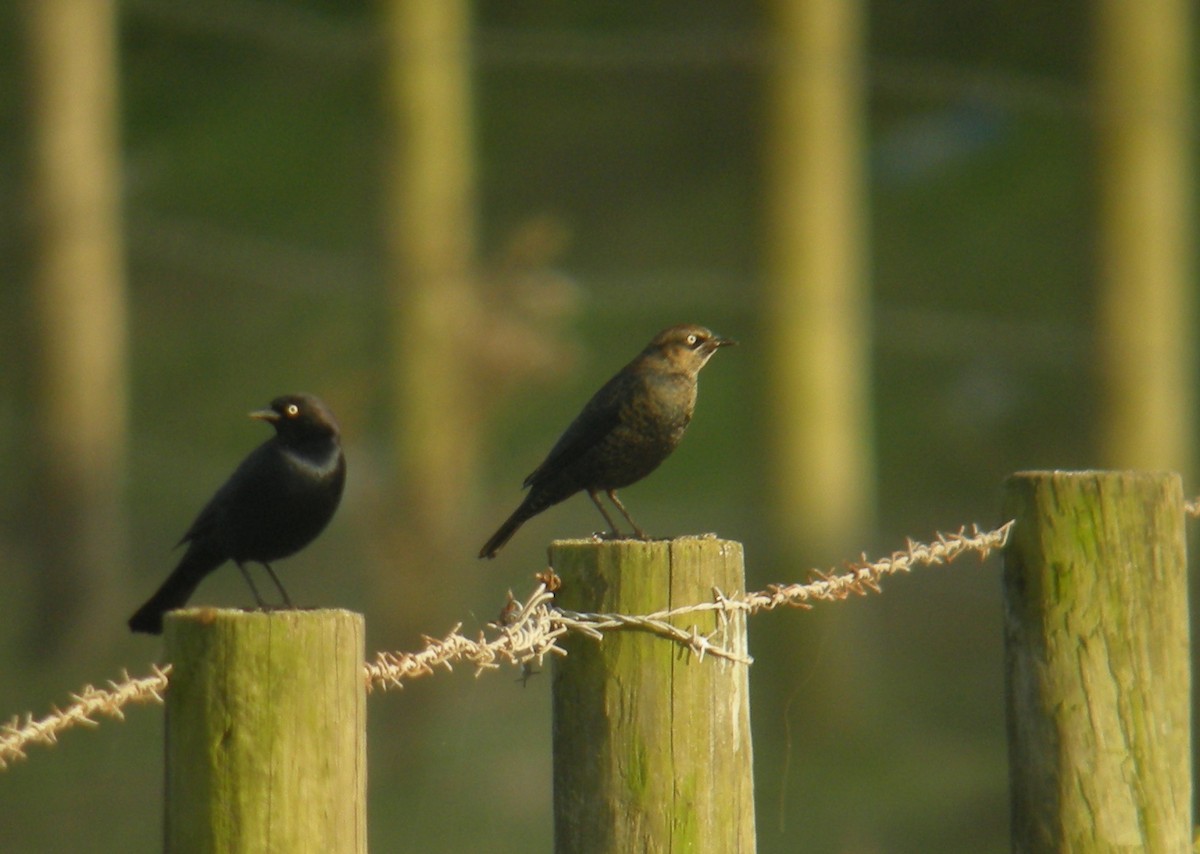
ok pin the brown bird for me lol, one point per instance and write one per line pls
(624, 432)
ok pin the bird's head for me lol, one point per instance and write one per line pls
(687, 347)
(299, 417)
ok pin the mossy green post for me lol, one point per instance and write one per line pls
(1096, 625)
(266, 744)
(652, 747)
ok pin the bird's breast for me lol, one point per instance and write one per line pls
(656, 418)
(287, 508)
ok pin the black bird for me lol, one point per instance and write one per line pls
(276, 503)
(624, 432)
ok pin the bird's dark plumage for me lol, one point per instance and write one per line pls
(274, 504)
(624, 432)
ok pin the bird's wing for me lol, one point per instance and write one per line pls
(599, 417)
(209, 523)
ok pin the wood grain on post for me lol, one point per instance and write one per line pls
(266, 744)
(652, 746)
(1096, 626)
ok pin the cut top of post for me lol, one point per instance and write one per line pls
(643, 576)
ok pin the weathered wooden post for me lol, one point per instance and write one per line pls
(652, 745)
(266, 744)
(1096, 626)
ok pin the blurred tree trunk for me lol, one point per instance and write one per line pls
(79, 321)
(1143, 88)
(819, 326)
(431, 235)
(818, 311)
(429, 208)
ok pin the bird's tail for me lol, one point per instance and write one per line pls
(502, 536)
(175, 591)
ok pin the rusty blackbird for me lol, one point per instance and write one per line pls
(274, 504)
(624, 432)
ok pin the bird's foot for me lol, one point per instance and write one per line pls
(267, 608)
(610, 536)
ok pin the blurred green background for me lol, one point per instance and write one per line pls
(625, 140)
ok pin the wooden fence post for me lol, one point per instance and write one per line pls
(651, 744)
(266, 720)
(1097, 660)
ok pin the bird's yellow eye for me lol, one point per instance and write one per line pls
(692, 339)
(292, 410)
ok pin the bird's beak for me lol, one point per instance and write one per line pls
(724, 342)
(265, 415)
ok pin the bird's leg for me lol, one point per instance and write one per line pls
(286, 600)
(616, 535)
(246, 575)
(612, 494)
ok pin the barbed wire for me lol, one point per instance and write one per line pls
(530, 630)
(16, 736)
